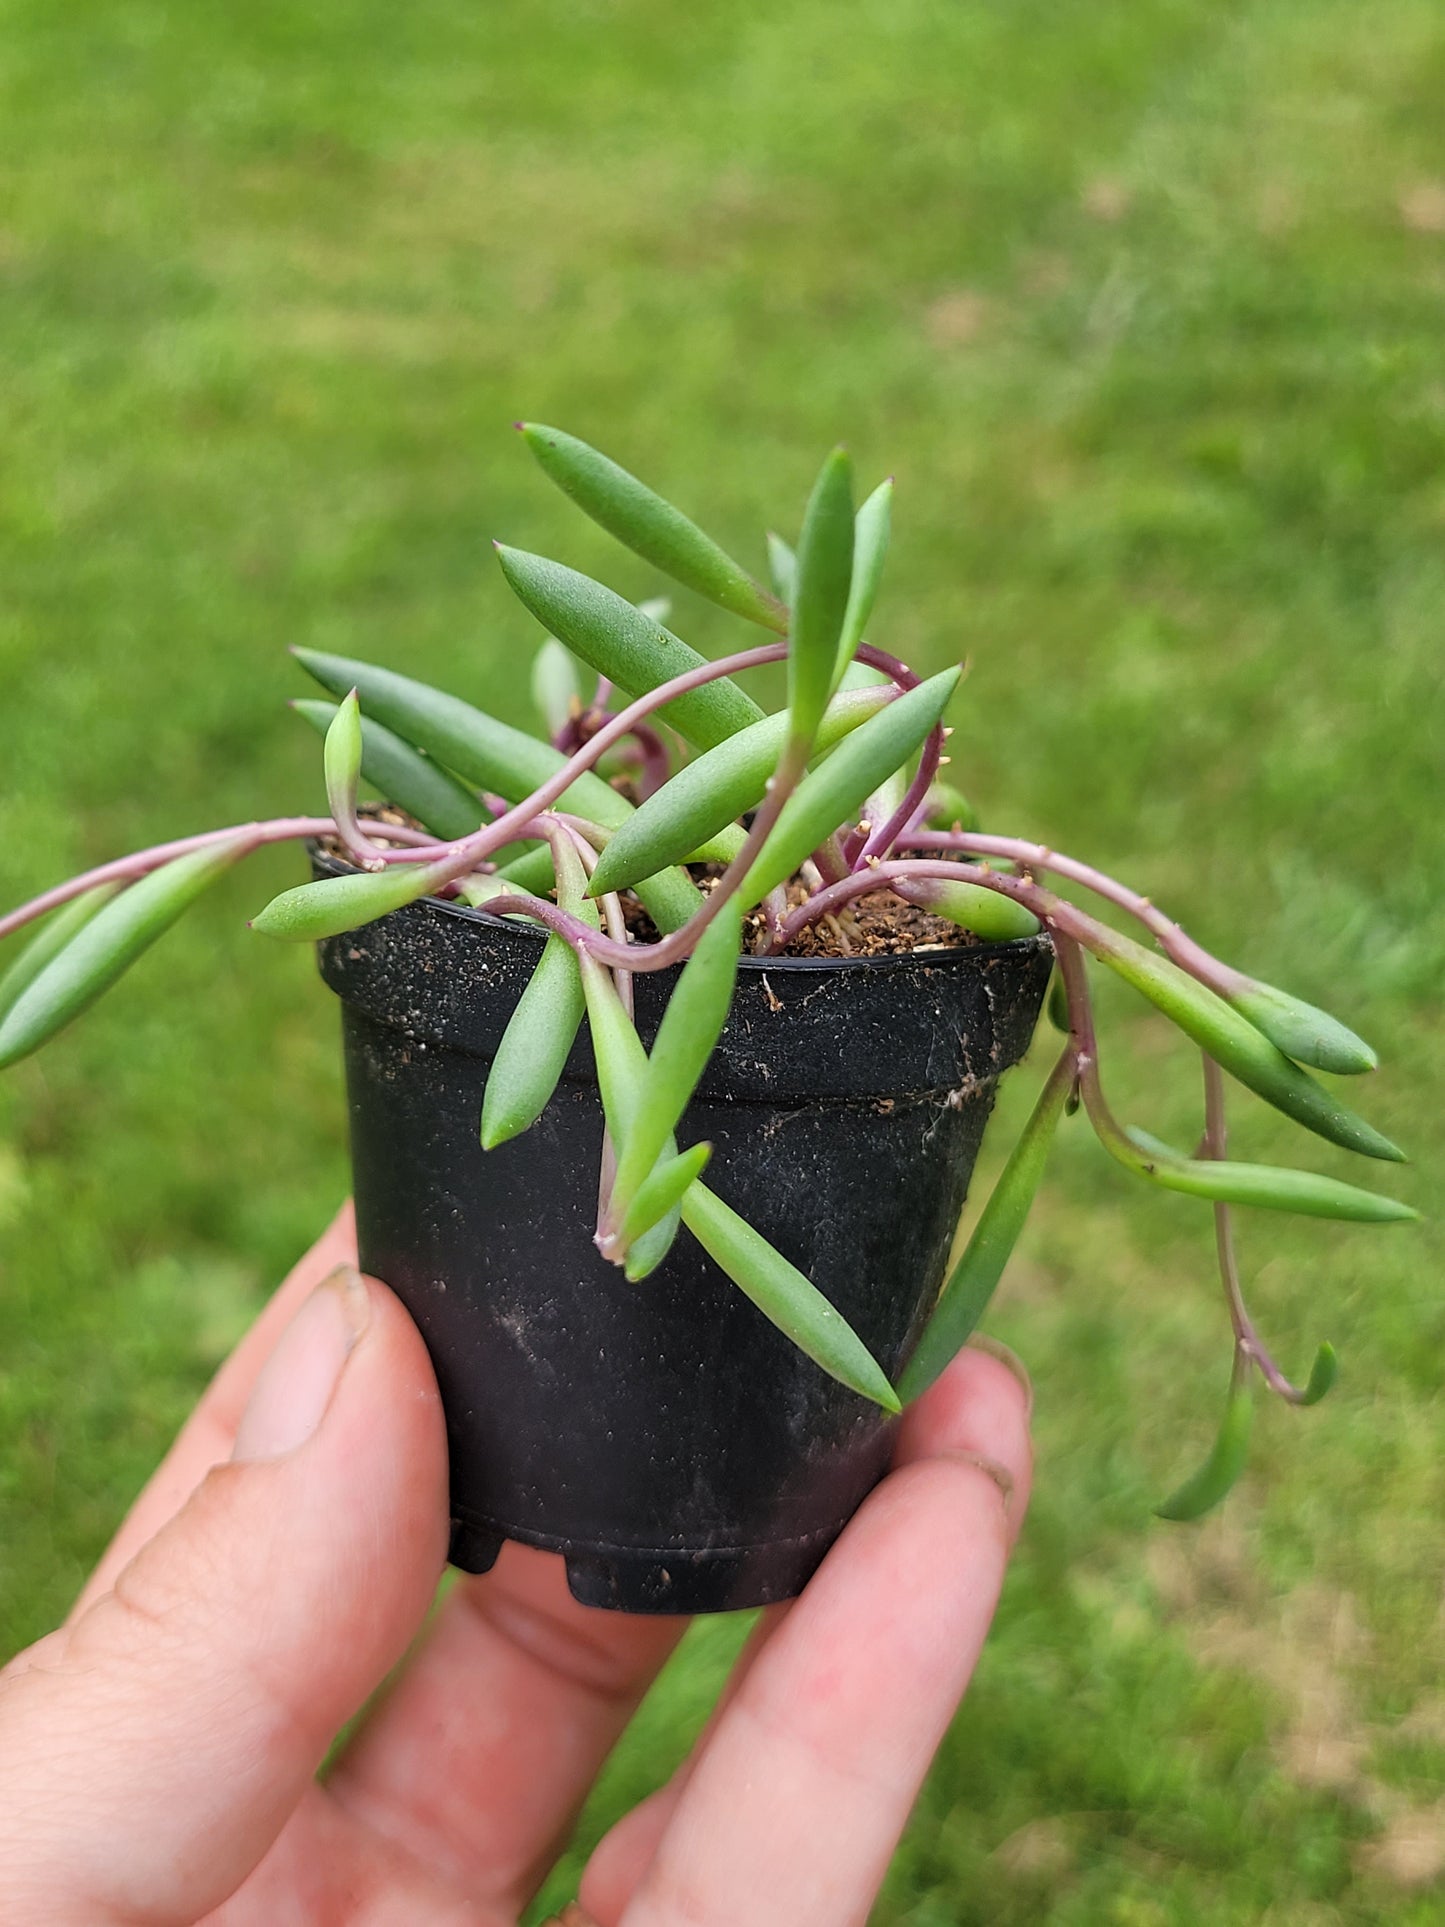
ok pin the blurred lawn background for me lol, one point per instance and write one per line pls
(1142, 304)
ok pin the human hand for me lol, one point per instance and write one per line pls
(158, 1753)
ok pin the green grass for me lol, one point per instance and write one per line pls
(1141, 304)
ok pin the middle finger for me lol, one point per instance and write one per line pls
(481, 1757)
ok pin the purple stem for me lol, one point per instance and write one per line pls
(656, 763)
(1049, 909)
(466, 855)
(470, 852)
(1248, 1343)
(126, 869)
(882, 839)
(681, 943)
(506, 827)
(1246, 1334)
(1176, 943)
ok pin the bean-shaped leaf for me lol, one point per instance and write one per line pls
(973, 1280)
(341, 759)
(494, 756)
(1225, 1463)
(987, 913)
(335, 904)
(1271, 1187)
(1323, 1374)
(691, 1025)
(620, 642)
(105, 945)
(649, 526)
(782, 566)
(820, 598)
(870, 552)
(405, 776)
(50, 939)
(708, 794)
(540, 1032)
(534, 1046)
(627, 646)
(1235, 1043)
(829, 795)
(782, 1293)
(556, 690)
(660, 1194)
(1304, 1032)
(948, 808)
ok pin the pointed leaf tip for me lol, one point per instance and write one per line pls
(1221, 1471)
(1304, 1032)
(1323, 1374)
(650, 526)
(824, 565)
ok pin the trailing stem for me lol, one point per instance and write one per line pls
(1033, 857)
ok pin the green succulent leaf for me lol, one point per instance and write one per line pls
(1222, 1469)
(62, 972)
(620, 642)
(1323, 1374)
(621, 1071)
(333, 905)
(50, 939)
(534, 1047)
(705, 797)
(987, 913)
(541, 1030)
(341, 758)
(649, 526)
(820, 601)
(1303, 1032)
(829, 795)
(870, 552)
(556, 689)
(782, 566)
(888, 797)
(404, 776)
(691, 1025)
(776, 1287)
(782, 1293)
(1271, 1187)
(495, 757)
(974, 1278)
(1235, 1043)
(658, 1197)
(947, 808)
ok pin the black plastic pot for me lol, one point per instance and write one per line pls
(664, 1437)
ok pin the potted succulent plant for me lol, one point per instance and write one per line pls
(803, 968)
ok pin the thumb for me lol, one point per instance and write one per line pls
(152, 1750)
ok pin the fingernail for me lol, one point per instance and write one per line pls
(995, 1347)
(289, 1399)
(991, 1469)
